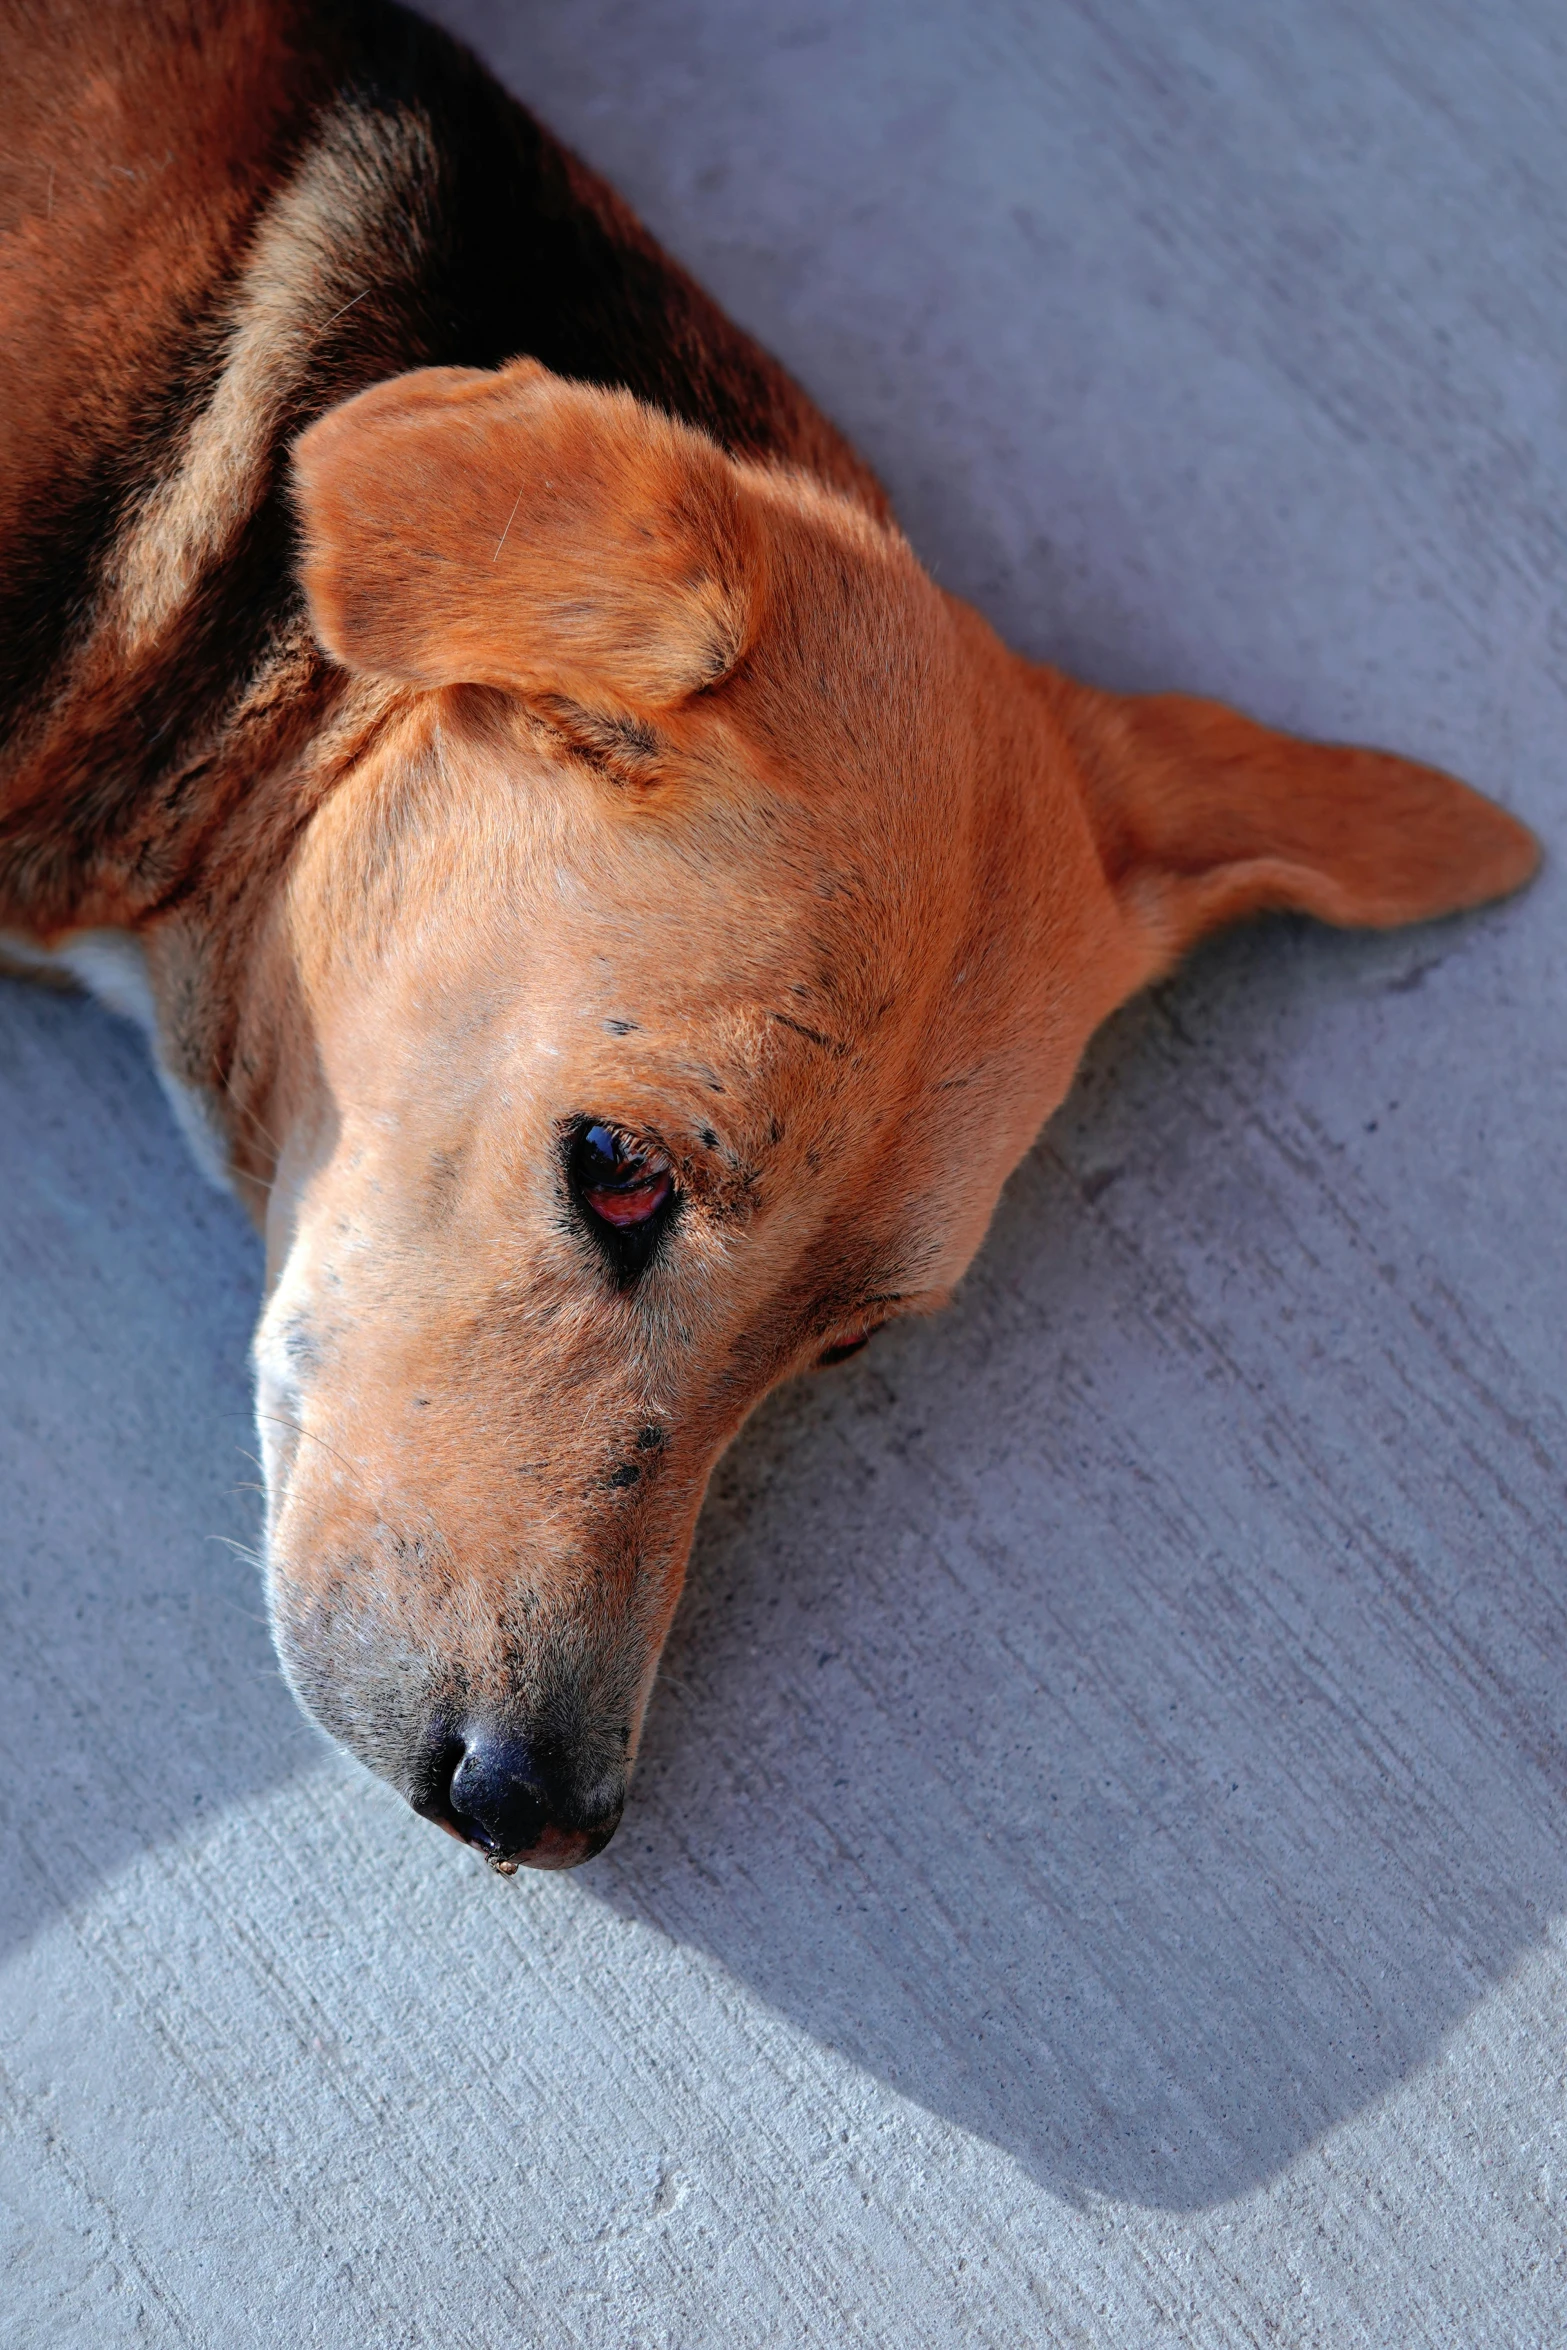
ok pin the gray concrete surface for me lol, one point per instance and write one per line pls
(1098, 1872)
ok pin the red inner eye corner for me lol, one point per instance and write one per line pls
(632, 1201)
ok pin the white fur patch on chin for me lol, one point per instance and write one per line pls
(111, 966)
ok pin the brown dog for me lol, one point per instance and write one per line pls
(614, 919)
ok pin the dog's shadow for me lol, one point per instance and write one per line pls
(1123, 1717)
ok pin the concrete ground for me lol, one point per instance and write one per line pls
(1098, 1870)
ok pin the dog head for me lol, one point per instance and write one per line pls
(670, 988)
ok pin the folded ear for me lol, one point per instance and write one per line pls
(512, 529)
(1202, 816)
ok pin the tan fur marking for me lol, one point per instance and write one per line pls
(300, 277)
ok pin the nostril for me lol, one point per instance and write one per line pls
(495, 1796)
(430, 1793)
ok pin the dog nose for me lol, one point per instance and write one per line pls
(517, 1803)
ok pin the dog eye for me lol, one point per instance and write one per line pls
(849, 1346)
(622, 1185)
(624, 1191)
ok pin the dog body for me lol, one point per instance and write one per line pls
(613, 919)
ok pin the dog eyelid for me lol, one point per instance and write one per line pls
(873, 1314)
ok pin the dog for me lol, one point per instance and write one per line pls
(610, 916)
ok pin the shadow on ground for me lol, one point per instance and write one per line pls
(1127, 1715)
(137, 1685)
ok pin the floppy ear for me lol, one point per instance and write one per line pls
(512, 529)
(1202, 816)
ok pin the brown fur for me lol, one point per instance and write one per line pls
(607, 755)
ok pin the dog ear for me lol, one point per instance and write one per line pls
(511, 529)
(1202, 816)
